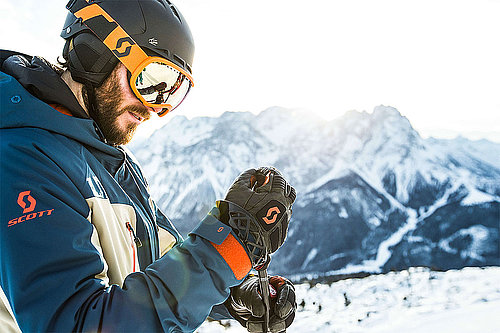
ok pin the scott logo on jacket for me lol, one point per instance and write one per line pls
(28, 205)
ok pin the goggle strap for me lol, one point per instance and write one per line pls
(112, 35)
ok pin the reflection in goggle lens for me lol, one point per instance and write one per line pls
(159, 83)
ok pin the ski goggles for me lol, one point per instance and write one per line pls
(159, 83)
(155, 81)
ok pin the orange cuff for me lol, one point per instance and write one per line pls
(235, 256)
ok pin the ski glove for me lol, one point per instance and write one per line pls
(258, 207)
(245, 304)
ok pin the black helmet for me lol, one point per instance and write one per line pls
(156, 26)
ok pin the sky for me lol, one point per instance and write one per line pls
(436, 61)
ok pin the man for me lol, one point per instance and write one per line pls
(83, 245)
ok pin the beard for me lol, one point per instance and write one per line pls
(104, 110)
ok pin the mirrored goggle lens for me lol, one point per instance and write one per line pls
(160, 84)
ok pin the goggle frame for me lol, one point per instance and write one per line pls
(142, 66)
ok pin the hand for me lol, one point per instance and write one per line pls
(258, 207)
(246, 305)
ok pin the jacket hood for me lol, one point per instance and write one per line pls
(27, 85)
(41, 79)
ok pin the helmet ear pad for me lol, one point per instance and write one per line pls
(89, 60)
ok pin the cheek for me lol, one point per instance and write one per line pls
(125, 86)
(124, 82)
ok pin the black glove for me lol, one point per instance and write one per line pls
(246, 306)
(258, 207)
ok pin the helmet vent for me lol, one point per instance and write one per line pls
(172, 8)
(175, 12)
(180, 60)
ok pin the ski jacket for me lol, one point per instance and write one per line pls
(83, 246)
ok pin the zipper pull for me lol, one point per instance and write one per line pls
(137, 240)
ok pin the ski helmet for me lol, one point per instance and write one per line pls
(156, 26)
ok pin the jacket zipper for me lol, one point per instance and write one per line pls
(151, 232)
(135, 240)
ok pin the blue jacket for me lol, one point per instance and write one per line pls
(83, 246)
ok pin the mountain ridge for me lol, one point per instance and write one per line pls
(368, 179)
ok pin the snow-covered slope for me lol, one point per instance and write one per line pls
(414, 300)
(372, 194)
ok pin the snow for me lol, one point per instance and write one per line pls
(286, 119)
(479, 235)
(374, 221)
(482, 150)
(337, 171)
(475, 197)
(312, 254)
(411, 301)
(343, 213)
(481, 317)
(384, 253)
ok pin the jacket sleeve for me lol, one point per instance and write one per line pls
(50, 270)
(219, 311)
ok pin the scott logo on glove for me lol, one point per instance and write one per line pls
(271, 216)
(271, 213)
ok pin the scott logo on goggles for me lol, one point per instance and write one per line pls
(119, 44)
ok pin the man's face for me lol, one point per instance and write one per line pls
(117, 111)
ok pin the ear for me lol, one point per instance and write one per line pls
(89, 60)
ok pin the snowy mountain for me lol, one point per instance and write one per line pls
(372, 194)
(412, 301)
